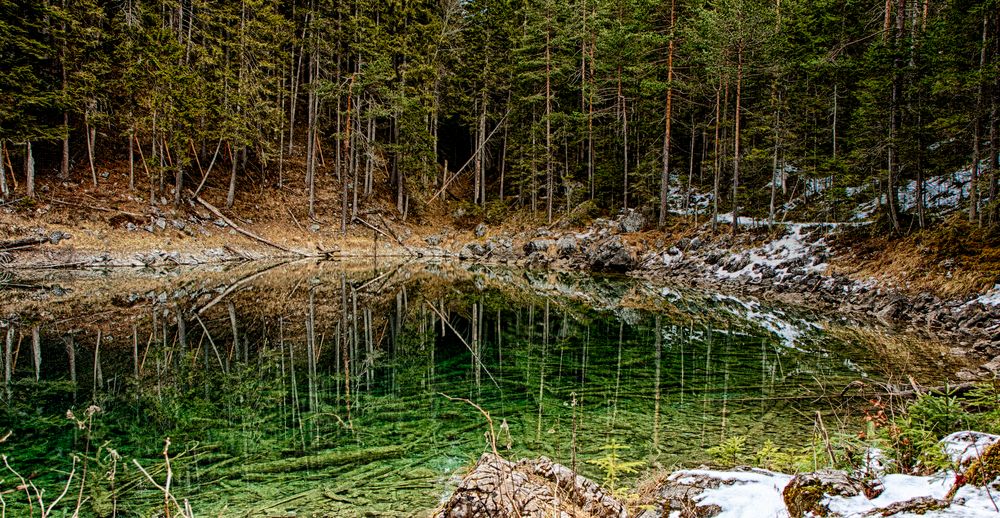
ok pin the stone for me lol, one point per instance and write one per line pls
(566, 246)
(805, 493)
(161, 223)
(610, 255)
(314, 227)
(471, 251)
(498, 488)
(632, 221)
(480, 230)
(433, 240)
(538, 245)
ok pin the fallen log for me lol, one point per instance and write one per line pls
(31, 242)
(211, 208)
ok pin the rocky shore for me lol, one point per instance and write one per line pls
(495, 487)
(788, 265)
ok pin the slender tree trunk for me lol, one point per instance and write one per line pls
(736, 141)
(29, 170)
(774, 162)
(976, 159)
(231, 193)
(481, 151)
(717, 159)
(895, 119)
(64, 167)
(91, 136)
(4, 189)
(346, 142)
(665, 175)
(548, 126)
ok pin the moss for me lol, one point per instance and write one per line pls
(801, 500)
(986, 468)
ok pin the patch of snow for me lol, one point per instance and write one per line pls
(990, 298)
(965, 446)
(742, 494)
(969, 502)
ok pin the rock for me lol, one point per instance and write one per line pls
(314, 227)
(610, 255)
(500, 249)
(161, 223)
(566, 246)
(131, 227)
(805, 493)
(471, 251)
(538, 245)
(497, 488)
(480, 230)
(433, 240)
(633, 221)
(993, 365)
(179, 224)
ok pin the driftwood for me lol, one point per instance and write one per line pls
(31, 242)
(211, 208)
(914, 391)
(529, 488)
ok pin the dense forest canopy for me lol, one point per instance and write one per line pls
(670, 106)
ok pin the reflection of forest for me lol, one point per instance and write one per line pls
(271, 379)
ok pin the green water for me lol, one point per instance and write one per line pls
(323, 389)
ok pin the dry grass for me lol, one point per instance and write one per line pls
(952, 260)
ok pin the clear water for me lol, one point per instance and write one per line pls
(335, 390)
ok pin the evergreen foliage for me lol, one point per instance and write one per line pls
(545, 103)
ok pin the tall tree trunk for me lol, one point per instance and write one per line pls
(64, 167)
(548, 124)
(895, 119)
(775, 175)
(716, 158)
(736, 141)
(976, 159)
(665, 174)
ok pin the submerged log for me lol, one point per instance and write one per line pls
(528, 488)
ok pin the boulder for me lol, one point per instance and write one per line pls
(632, 221)
(500, 249)
(498, 488)
(471, 251)
(480, 230)
(805, 494)
(566, 246)
(610, 255)
(434, 240)
(538, 245)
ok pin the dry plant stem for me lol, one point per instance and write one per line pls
(492, 435)
(46, 512)
(24, 485)
(168, 498)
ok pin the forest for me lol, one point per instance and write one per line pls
(721, 108)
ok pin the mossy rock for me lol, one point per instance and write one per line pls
(805, 493)
(986, 468)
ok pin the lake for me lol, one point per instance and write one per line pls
(337, 389)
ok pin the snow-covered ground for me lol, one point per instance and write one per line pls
(757, 493)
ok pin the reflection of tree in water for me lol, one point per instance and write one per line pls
(323, 381)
